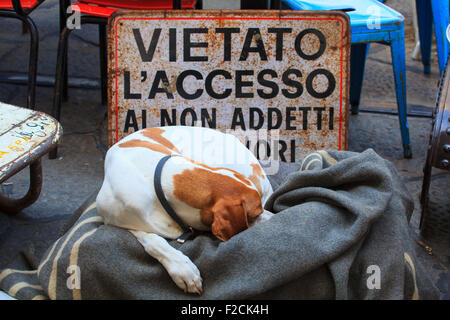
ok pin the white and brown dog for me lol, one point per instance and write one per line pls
(213, 182)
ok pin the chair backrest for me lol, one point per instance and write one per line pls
(140, 4)
(19, 5)
(341, 5)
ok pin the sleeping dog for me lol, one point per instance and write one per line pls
(166, 182)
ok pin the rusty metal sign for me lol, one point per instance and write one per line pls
(280, 75)
(25, 135)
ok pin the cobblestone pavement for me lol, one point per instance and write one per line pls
(78, 171)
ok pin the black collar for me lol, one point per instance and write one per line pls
(188, 231)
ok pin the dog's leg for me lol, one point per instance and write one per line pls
(180, 268)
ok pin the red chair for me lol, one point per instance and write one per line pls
(20, 9)
(97, 12)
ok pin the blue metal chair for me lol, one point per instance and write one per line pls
(371, 21)
(429, 11)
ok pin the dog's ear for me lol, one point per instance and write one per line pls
(229, 218)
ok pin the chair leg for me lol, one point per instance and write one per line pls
(63, 5)
(61, 65)
(65, 90)
(425, 22)
(398, 64)
(357, 63)
(199, 5)
(441, 19)
(416, 51)
(254, 4)
(33, 62)
(103, 63)
(59, 79)
(33, 59)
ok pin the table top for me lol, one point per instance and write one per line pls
(25, 135)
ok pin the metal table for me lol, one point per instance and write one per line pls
(25, 136)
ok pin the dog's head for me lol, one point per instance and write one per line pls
(231, 216)
(228, 204)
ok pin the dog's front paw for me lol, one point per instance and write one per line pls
(185, 274)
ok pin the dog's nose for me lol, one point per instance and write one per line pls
(264, 216)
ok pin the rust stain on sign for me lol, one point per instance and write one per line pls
(283, 75)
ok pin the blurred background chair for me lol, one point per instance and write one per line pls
(97, 12)
(20, 9)
(371, 21)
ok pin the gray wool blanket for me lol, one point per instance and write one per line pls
(340, 232)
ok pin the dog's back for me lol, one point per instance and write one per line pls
(130, 165)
